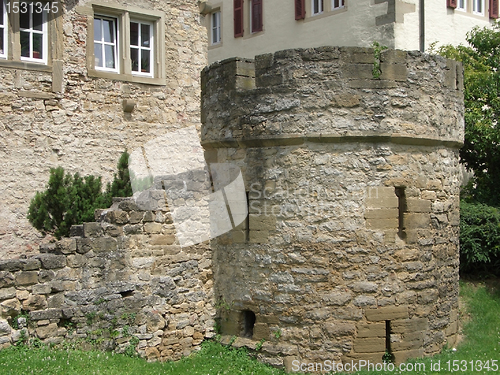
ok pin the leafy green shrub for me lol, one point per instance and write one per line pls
(479, 237)
(70, 200)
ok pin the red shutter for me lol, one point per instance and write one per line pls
(300, 9)
(238, 18)
(256, 15)
(494, 9)
(451, 3)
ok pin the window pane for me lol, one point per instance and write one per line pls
(37, 21)
(109, 54)
(145, 35)
(25, 44)
(134, 56)
(145, 63)
(108, 31)
(1, 41)
(37, 46)
(134, 33)
(1, 18)
(97, 29)
(214, 35)
(98, 55)
(24, 20)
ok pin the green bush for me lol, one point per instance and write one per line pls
(70, 200)
(479, 238)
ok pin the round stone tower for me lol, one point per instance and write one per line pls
(351, 168)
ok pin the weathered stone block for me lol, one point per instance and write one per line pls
(6, 279)
(10, 307)
(105, 244)
(152, 228)
(76, 231)
(262, 222)
(91, 230)
(416, 220)
(259, 236)
(382, 213)
(166, 239)
(409, 325)
(35, 302)
(31, 264)
(336, 329)
(47, 331)
(369, 345)
(67, 245)
(76, 260)
(393, 72)
(27, 278)
(382, 202)
(387, 313)
(42, 289)
(11, 265)
(346, 100)
(46, 314)
(371, 330)
(51, 261)
(4, 327)
(418, 205)
(136, 217)
(377, 223)
(55, 301)
(261, 331)
(84, 245)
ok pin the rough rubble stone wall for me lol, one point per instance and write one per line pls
(117, 282)
(351, 245)
(84, 128)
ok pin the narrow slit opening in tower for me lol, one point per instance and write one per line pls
(400, 193)
(248, 323)
(388, 356)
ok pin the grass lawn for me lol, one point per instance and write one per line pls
(481, 343)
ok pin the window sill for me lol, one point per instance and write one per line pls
(255, 34)
(214, 46)
(325, 14)
(126, 77)
(25, 65)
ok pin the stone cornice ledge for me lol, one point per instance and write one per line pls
(292, 139)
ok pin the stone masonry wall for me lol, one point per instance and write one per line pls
(59, 115)
(351, 245)
(119, 282)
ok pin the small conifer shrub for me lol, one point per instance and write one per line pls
(71, 199)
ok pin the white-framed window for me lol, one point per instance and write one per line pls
(142, 48)
(215, 28)
(337, 4)
(3, 30)
(317, 7)
(127, 44)
(106, 43)
(478, 7)
(462, 5)
(33, 32)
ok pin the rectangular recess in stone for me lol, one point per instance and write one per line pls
(402, 208)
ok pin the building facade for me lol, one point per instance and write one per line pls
(80, 82)
(248, 28)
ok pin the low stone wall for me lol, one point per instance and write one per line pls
(120, 282)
